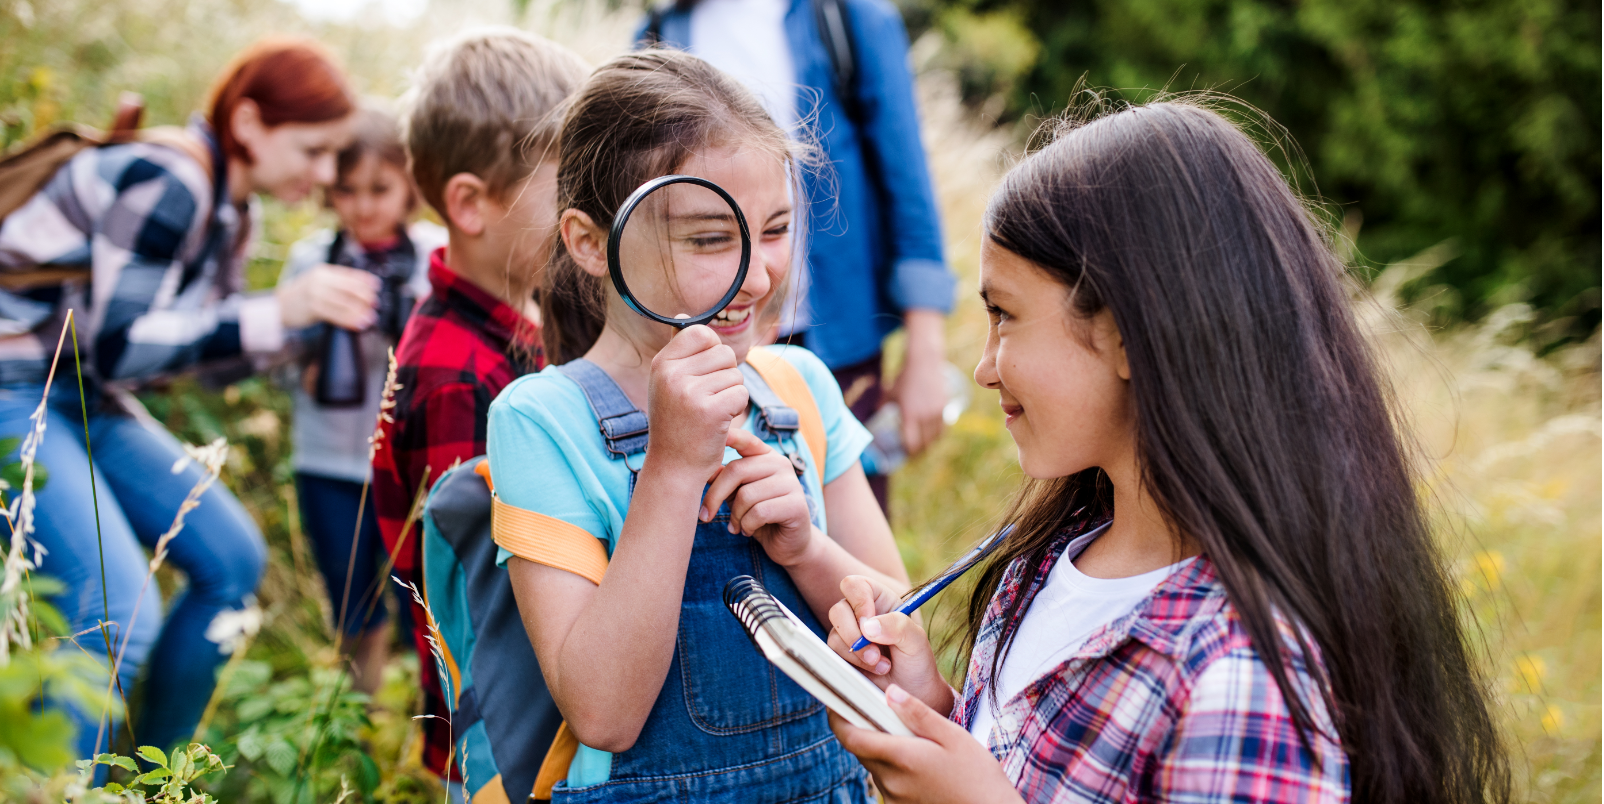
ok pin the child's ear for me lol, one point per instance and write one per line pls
(465, 196)
(585, 241)
(1106, 337)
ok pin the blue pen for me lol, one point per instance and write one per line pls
(950, 574)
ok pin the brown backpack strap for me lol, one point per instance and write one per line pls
(24, 173)
(179, 139)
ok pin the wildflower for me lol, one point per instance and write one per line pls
(232, 628)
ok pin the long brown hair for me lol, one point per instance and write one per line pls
(1263, 428)
(641, 116)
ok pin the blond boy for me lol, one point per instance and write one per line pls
(481, 124)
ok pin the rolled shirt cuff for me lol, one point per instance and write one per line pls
(261, 328)
(922, 284)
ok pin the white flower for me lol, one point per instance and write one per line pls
(232, 627)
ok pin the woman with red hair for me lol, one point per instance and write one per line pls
(162, 229)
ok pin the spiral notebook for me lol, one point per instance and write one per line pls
(783, 638)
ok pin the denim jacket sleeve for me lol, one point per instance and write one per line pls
(889, 132)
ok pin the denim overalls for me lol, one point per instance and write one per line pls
(727, 725)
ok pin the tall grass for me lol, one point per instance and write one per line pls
(1509, 440)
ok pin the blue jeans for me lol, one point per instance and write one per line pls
(219, 549)
(328, 516)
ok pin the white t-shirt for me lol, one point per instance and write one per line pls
(1069, 608)
(746, 38)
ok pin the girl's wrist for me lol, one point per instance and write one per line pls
(813, 553)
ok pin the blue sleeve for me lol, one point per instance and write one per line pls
(846, 437)
(889, 131)
(529, 466)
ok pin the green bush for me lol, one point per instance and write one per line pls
(1473, 122)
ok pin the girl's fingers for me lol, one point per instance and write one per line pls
(844, 627)
(775, 481)
(860, 594)
(921, 719)
(896, 631)
(745, 443)
(732, 476)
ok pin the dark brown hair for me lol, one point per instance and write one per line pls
(641, 116)
(375, 132)
(1264, 431)
(289, 80)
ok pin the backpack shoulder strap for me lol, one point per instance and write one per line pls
(835, 32)
(185, 143)
(788, 385)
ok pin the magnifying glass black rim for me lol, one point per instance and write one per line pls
(615, 236)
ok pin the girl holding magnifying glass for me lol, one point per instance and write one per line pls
(657, 683)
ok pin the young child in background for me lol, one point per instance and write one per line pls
(659, 685)
(479, 126)
(372, 196)
(1220, 585)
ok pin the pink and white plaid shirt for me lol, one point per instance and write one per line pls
(1168, 703)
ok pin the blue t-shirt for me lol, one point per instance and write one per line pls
(547, 455)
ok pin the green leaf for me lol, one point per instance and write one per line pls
(9, 444)
(153, 754)
(113, 787)
(281, 756)
(12, 474)
(122, 762)
(154, 776)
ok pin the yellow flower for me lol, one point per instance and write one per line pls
(1490, 565)
(1553, 719)
(1530, 670)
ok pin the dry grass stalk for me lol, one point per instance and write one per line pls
(14, 599)
(375, 441)
(434, 639)
(211, 458)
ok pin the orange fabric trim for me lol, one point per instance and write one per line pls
(492, 793)
(555, 767)
(434, 631)
(789, 386)
(482, 469)
(547, 540)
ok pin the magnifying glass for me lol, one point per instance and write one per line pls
(678, 250)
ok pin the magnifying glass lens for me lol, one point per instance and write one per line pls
(680, 251)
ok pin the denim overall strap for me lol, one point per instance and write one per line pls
(622, 424)
(727, 727)
(782, 422)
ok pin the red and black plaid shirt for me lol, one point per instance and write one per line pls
(460, 348)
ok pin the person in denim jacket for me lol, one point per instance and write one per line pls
(875, 260)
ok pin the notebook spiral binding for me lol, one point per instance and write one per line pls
(751, 604)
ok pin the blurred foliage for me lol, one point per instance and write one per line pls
(1473, 122)
(1432, 124)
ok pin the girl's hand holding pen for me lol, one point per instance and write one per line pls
(899, 651)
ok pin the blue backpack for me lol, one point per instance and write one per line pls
(503, 718)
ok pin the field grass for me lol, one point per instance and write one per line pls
(1509, 441)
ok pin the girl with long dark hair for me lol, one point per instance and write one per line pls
(1219, 584)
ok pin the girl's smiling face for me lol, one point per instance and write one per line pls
(1062, 379)
(760, 185)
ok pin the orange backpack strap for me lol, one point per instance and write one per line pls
(789, 386)
(555, 767)
(555, 543)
